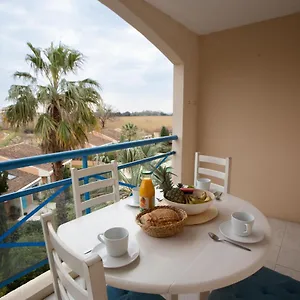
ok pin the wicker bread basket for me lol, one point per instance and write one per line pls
(165, 230)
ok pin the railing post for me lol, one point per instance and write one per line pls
(86, 181)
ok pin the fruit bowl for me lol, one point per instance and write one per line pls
(194, 209)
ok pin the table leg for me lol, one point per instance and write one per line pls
(172, 297)
(204, 295)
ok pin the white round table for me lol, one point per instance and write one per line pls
(190, 262)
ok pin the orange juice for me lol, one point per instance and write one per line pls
(147, 192)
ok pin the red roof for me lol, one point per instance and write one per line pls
(24, 150)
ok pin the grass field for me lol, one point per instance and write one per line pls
(148, 124)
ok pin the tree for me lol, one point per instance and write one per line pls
(164, 131)
(22, 257)
(164, 147)
(105, 112)
(3, 214)
(67, 105)
(3, 219)
(129, 131)
(3, 182)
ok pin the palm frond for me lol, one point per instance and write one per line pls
(128, 155)
(45, 126)
(88, 82)
(136, 175)
(36, 61)
(132, 175)
(36, 51)
(129, 131)
(24, 108)
(25, 76)
(74, 61)
(147, 150)
(63, 59)
(64, 134)
(78, 91)
(46, 94)
(71, 135)
(84, 114)
(80, 136)
(123, 177)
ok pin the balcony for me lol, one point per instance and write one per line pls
(41, 286)
(236, 93)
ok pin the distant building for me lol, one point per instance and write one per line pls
(21, 150)
(19, 180)
(96, 139)
(23, 178)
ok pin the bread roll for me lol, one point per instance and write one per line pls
(160, 217)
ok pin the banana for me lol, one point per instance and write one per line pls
(203, 196)
(207, 199)
(191, 199)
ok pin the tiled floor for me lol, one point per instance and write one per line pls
(285, 250)
(284, 255)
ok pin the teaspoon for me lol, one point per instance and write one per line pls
(217, 239)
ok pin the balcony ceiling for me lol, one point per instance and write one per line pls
(206, 16)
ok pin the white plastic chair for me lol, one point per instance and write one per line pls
(78, 189)
(213, 173)
(91, 285)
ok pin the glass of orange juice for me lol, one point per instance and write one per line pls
(147, 192)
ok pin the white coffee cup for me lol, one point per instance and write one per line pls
(203, 184)
(136, 195)
(115, 240)
(242, 223)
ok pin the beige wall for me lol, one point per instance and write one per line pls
(249, 109)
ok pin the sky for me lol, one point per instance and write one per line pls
(133, 73)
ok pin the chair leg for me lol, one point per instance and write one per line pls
(204, 295)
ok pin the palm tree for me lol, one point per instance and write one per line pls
(67, 105)
(129, 131)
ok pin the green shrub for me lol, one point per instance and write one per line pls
(15, 284)
(164, 131)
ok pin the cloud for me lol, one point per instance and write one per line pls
(7, 7)
(133, 73)
(65, 6)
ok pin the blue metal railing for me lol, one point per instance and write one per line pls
(53, 157)
(62, 185)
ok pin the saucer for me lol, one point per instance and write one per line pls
(256, 236)
(121, 261)
(131, 202)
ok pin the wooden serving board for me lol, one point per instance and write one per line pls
(202, 218)
(206, 216)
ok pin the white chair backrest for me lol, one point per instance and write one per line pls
(213, 173)
(79, 190)
(60, 256)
